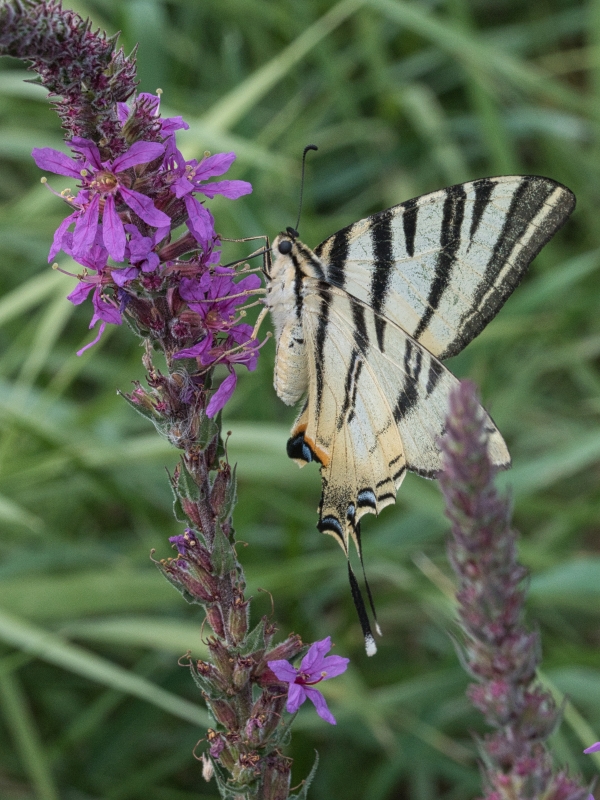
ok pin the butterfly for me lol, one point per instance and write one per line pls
(364, 321)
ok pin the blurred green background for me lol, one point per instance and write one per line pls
(401, 98)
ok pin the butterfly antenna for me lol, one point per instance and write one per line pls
(294, 231)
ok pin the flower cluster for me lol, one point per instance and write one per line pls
(121, 228)
(500, 654)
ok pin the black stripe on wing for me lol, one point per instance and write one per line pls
(321, 337)
(450, 238)
(528, 200)
(383, 262)
(409, 394)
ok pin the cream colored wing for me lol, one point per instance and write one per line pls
(370, 414)
(442, 265)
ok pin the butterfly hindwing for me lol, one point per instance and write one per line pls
(442, 265)
(370, 414)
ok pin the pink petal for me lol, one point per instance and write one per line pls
(296, 696)
(60, 233)
(138, 153)
(122, 276)
(594, 748)
(94, 341)
(144, 208)
(200, 221)
(171, 124)
(213, 166)
(80, 292)
(88, 149)
(320, 704)
(334, 665)
(54, 161)
(85, 228)
(314, 657)
(283, 670)
(230, 189)
(182, 186)
(222, 395)
(104, 311)
(195, 350)
(112, 230)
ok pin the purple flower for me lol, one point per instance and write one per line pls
(103, 185)
(314, 668)
(593, 748)
(191, 176)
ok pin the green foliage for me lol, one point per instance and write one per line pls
(401, 98)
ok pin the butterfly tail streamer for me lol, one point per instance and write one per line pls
(361, 610)
(368, 588)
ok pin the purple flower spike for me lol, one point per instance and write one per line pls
(314, 668)
(593, 748)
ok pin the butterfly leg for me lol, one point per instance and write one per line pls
(265, 252)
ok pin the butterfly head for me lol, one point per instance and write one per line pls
(283, 250)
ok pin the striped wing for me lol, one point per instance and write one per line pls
(371, 413)
(442, 265)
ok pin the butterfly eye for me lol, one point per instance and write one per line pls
(285, 247)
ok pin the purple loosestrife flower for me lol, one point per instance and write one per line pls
(214, 298)
(191, 176)
(593, 748)
(314, 668)
(104, 185)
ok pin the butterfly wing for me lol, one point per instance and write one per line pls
(442, 265)
(370, 414)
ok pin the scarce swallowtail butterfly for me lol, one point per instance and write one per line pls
(364, 321)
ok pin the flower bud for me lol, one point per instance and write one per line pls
(221, 658)
(246, 769)
(238, 616)
(215, 620)
(223, 712)
(276, 778)
(210, 675)
(287, 650)
(242, 670)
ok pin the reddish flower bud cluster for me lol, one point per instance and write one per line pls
(499, 652)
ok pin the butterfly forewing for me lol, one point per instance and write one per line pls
(442, 265)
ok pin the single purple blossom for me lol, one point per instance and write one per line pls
(314, 668)
(214, 296)
(102, 183)
(593, 748)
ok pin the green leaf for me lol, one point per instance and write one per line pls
(573, 584)
(230, 500)
(56, 650)
(222, 553)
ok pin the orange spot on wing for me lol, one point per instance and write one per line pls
(321, 454)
